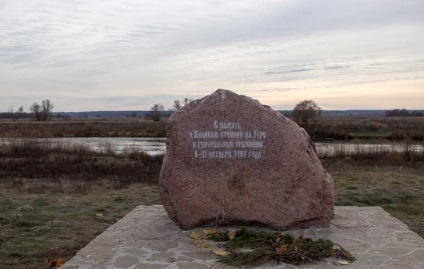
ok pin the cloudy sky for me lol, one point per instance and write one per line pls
(130, 54)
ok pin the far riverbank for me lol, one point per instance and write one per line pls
(336, 128)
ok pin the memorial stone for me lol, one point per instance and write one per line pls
(232, 161)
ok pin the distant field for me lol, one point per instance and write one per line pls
(391, 128)
(339, 128)
(98, 127)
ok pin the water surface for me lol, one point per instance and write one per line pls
(156, 146)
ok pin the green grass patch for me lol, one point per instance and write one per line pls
(247, 247)
(398, 189)
(38, 227)
(371, 134)
(107, 127)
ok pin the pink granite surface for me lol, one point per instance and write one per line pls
(231, 160)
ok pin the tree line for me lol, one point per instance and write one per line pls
(157, 110)
(43, 111)
(303, 113)
(39, 111)
(403, 113)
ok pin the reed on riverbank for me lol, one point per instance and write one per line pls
(43, 166)
(49, 165)
(375, 153)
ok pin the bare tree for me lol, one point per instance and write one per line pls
(180, 104)
(9, 113)
(186, 101)
(47, 108)
(36, 109)
(177, 105)
(156, 112)
(15, 115)
(43, 111)
(305, 111)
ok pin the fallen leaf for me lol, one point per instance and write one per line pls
(231, 234)
(282, 249)
(201, 244)
(220, 252)
(55, 263)
(209, 231)
(59, 262)
(99, 216)
(195, 235)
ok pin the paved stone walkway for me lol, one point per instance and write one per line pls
(147, 239)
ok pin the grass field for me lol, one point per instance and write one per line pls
(48, 225)
(52, 195)
(99, 127)
(391, 128)
(42, 226)
(399, 189)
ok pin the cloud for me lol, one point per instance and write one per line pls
(299, 70)
(168, 49)
(335, 67)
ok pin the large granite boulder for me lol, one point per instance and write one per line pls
(232, 161)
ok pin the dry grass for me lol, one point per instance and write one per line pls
(341, 128)
(374, 153)
(397, 188)
(38, 227)
(38, 165)
(392, 128)
(50, 194)
(108, 127)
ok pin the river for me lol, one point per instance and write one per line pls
(152, 146)
(156, 146)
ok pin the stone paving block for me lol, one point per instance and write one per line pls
(201, 255)
(150, 266)
(416, 255)
(101, 266)
(168, 257)
(158, 245)
(147, 239)
(191, 265)
(399, 266)
(125, 261)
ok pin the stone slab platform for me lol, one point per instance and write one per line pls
(147, 239)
